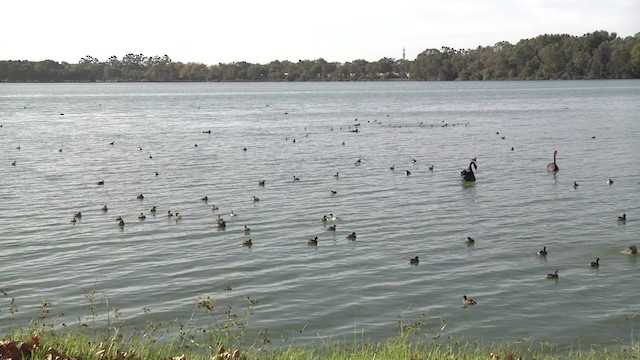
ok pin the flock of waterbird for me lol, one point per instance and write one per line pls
(467, 175)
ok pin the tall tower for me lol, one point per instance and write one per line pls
(403, 54)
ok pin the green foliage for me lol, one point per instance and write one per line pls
(215, 331)
(597, 55)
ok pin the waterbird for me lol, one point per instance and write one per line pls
(295, 178)
(313, 242)
(336, 175)
(431, 167)
(633, 250)
(261, 183)
(156, 173)
(214, 207)
(553, 275)
(414, 261)
(542, 252)
(393, 167)
(610, 182)
(407, 172)
(120, 223)
(331, 227)
(140, 197)
(169, 214)
(468, 301)
(351, 236)
(333, 192)
(232, 214)
(105, 208)
(246, 229)
(595, 264)
(13, 163)
(553, 166)
(622, 218)
(467, 174)
(469, 241)
(100, 182)
(141, 216)
(247, 243)
(575, 184)
(255, 199)
(205, 199)
(153, 210)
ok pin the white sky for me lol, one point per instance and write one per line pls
(260, 31)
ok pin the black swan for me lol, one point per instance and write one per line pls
(553, 166)
(467, 174)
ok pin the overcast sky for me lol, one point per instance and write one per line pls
(260, 31)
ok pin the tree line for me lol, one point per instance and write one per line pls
(597, 55)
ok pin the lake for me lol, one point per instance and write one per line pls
(157, 269)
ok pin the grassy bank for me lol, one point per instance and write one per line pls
(222, 334)
(85, 344)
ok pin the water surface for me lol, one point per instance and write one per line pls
(340, 287)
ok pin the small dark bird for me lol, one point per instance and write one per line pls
(622, 218)
(595, 264)
(467, 301)
(414, 261)
(553, 275)
(543, 252)
(100, 182)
